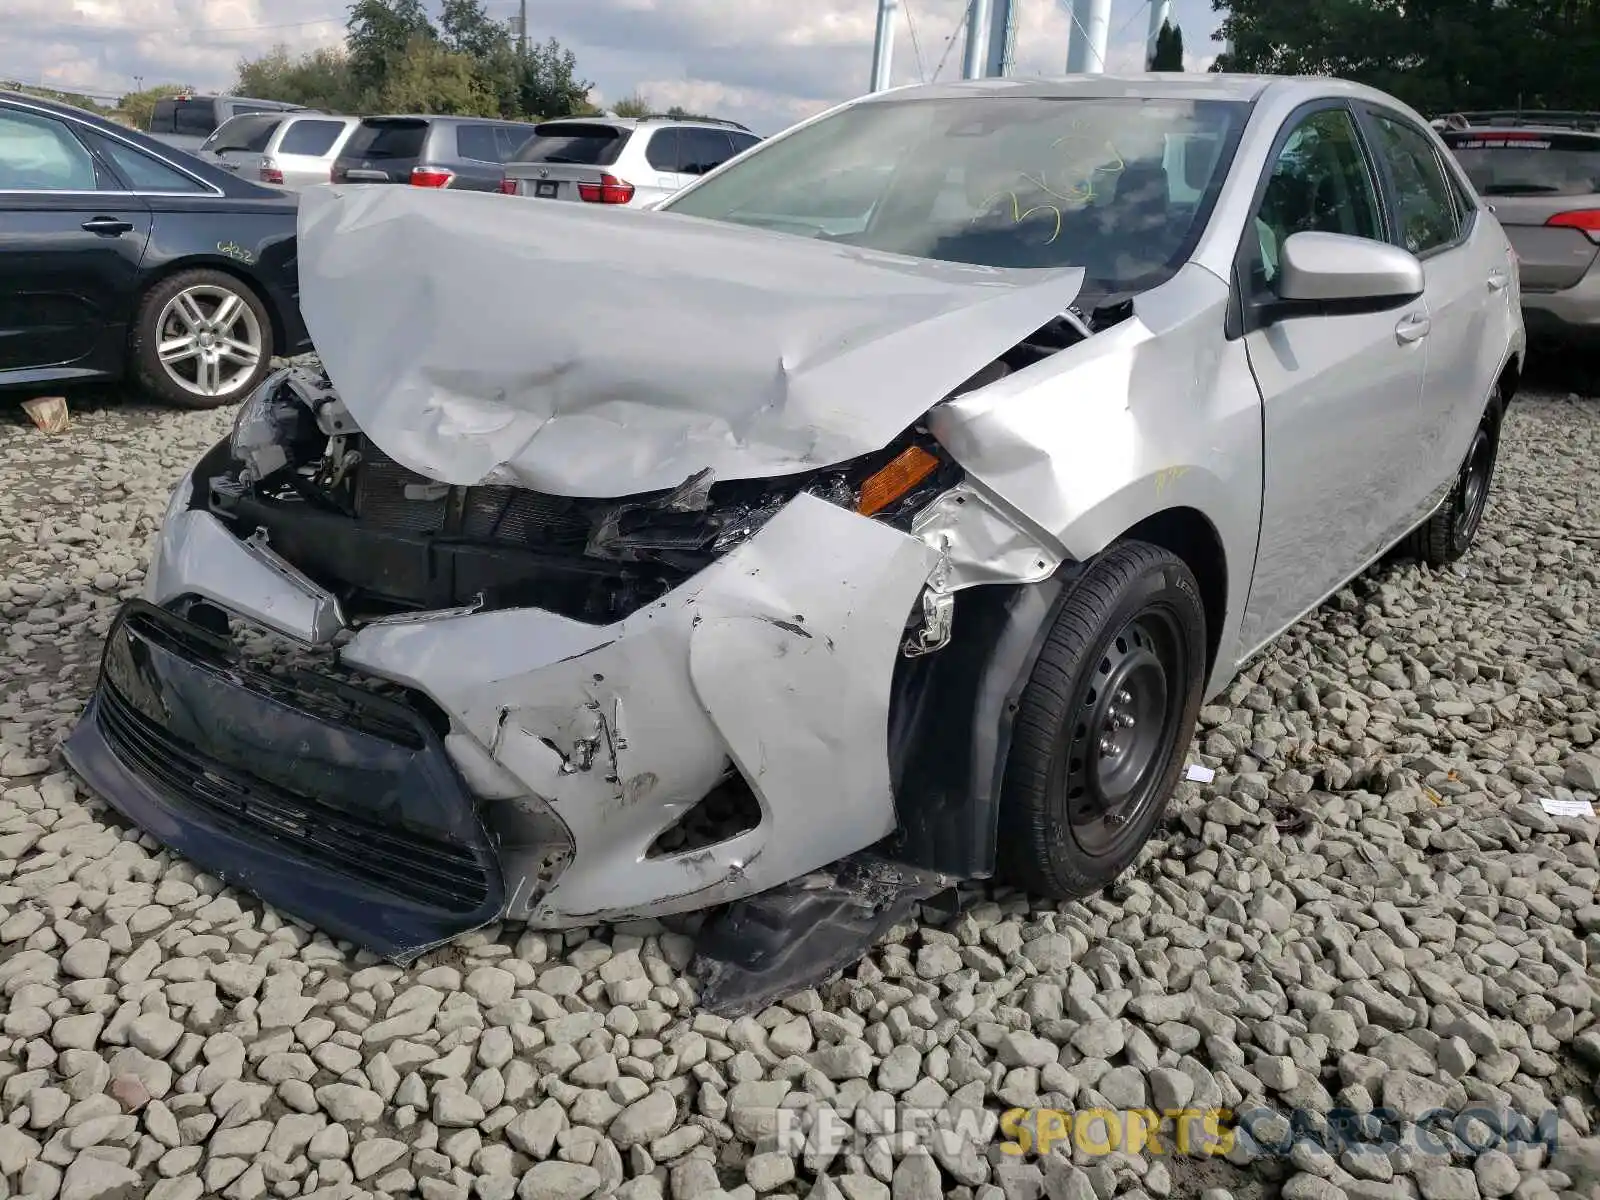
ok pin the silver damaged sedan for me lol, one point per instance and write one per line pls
(873, 516)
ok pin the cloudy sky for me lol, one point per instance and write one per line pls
(765, 62)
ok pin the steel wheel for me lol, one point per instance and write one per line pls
(1102, 723)
(1474, 486)
(1126, 716)
(209, 340)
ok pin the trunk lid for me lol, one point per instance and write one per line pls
(586, 350)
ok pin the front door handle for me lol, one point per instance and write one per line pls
(108, 226)
(1413, 328)
(1498, 280)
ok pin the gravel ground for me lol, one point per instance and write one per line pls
(1368, 906)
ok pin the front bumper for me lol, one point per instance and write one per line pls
(320, 798)
(775, 663)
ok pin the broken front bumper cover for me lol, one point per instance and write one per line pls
(322, 799)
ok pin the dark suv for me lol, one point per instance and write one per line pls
(466, 153)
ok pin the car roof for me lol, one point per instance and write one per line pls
(1522, 130)
(444, 119)
(1150, 85)
(653, 122)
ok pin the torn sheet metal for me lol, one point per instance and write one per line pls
(582, 352)
(778, 657)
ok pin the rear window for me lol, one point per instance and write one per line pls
(310, 137)
(387, 139)
(1525, 162)
(586, 145)
(197, 118)
(247, 134)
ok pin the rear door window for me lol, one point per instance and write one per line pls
(387, 139)
(143, 172)
(1427, 209)
(742, 141)
(1528, 162)
(662, 150)
(313, 138)
(477, 142)
(703, 150)
(584, 144)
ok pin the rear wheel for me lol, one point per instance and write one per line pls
(1103, 723)
(1449, 532)
(201, 339)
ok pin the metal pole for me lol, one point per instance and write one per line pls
(972, 61)
(1099, 29)
(522, 30)
(1002, 29)
(1160, 14)
(1078, 39)
(883, 46)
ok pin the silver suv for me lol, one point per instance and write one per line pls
(287, 150)
(1542, 175)
(632, 161)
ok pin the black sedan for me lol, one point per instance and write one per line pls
(121, 256)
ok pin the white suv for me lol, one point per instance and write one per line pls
(633, 161)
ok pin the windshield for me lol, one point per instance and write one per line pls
(1121, 187)
(1529, 162)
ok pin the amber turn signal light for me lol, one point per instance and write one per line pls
(902, 473)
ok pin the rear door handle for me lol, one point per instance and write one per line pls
(1498, 280)
(1413, 328)
(108, 226)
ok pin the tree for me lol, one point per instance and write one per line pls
(139, 105)
(632, 106)
(318, 79)
(548, 82)
(379, 35)
(465, 28)
(1437, 55)
(428, 78)
(1169, 49)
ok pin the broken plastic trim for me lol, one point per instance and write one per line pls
(791, 937)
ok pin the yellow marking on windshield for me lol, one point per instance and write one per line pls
(1018, 215)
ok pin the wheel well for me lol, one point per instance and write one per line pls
(195, 264)
(1187, 533)
(1510, 380)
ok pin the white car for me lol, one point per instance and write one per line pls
(806, 558)
(288, 150)
(627, 161)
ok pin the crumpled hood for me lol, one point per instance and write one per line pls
(588, 351)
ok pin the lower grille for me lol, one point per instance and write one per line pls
(427, 870)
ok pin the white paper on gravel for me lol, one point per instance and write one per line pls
(1566, 808)
(581, 351)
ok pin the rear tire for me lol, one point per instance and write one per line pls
(1103, 723)
(201, 339)
(1449, 533)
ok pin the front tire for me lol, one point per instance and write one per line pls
(1103, 723)
(1449, 532)
(201, 339)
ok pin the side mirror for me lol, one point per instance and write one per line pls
(1335, 273)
